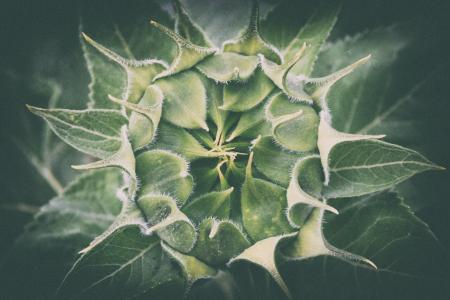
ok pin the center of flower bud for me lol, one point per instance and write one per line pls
(225, 152)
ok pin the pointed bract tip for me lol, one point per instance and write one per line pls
(230, 190)
(363, 60)
(114, 99)
(87, 38)
(33, 109)
(204, 126)
(370, 263)
(331, 209)
(230, 138)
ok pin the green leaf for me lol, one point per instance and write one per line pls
(187, 28)
(227, 66)
(131, 38)
(242, 96)
(101, 86)
(306, 170)
(130, 214)
(362, 167)
(145, 116)
(192, 268)
(219, 241)
(373, 94)
(213, 204)
(394, 96)
(125, 265)
(250, 42)
(188, 54)
(163, 172)
(184, 104)
(314, 34)
(272, 161)
(123, 159)
(139, 74)
(294, 125)
(247, 121)
(264, 254)
(381, 227)
(263, 207)
(205, 175)
(164, 217)
(310, 242)
(62, 227)
(180, 141)
(93, 131)
(214, 94)
(282, 23)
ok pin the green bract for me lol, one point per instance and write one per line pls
(228, 156)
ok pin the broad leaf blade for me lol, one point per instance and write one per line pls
(95, 131)
(125, 30)
(163, 172)
(219, 241)
(125, 265)
(314, 34)
(272, 161)
(411, 262)
(184, 104)
(62, 227)
(363, 167)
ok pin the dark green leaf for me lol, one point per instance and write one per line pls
(363, 167)
(125, 265)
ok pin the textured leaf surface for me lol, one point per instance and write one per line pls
(95, 132)
(294, 125)
(263, 204)
(405, 105)
(367, 102)
(210, 205)
(162, 172)
(180, 141)
(275, 163)
(314, 34)
(250, 41)
(219, 241)
(227, 66)
(125, 265)
(130, 37)
(362, 167)
(187, 28)
(63, 227)
(379, 227)
(242, 96)
(164, 217)
(249, 121)
(180, 99)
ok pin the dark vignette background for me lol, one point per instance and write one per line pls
(40, 38)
